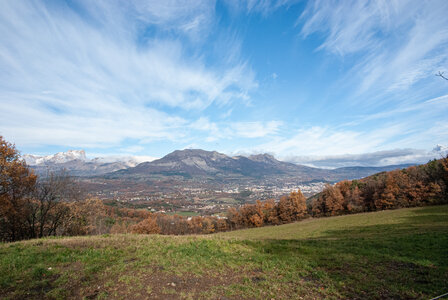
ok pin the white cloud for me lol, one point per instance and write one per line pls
(83, 79)
(133, 149)
(395, 44)
(192, 18)
(226, 114)
(379, 158)
(264, 7)
(325, 141)
(175, 13)
(229, 130)
(350, 25)
(29, 124)
(255, 129)
(422, 111)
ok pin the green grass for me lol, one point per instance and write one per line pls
(390, 254)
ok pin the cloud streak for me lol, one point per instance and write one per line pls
(318, 140)
(379, 158)
(79, 77)
(229, 130)
(396, 43)
(152, 76)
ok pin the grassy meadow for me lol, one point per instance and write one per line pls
(399, 254)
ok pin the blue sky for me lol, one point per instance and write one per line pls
(326, 83)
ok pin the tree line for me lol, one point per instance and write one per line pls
(34, 207)
(288, 209)
(414, 186)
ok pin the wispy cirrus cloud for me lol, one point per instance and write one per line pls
(263, 7)
(228, 130)
(321, 141)
(191, 18)
(85, 75)
(256, 129)
(350, 26)
(129, 76)
(333, 148)
(379, 158)
(395, 44)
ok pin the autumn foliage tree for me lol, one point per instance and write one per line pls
(414, 186)
(30, 207)
(291, 208)
(389, 195)
(147, 226)
(33, 207)
(17, 184)
(330, 202)
(85, 217)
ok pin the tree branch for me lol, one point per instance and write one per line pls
(441, 75)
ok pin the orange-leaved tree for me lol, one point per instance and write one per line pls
(329, 203)
(17, 184)
(147, 226)
(31, 207)
(292, 208)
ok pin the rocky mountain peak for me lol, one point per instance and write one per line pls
(58, 158)
(188, 153)
(265, 157)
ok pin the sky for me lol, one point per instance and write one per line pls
(324, 83)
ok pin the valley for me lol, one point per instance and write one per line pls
(194, 180)
(223, 150)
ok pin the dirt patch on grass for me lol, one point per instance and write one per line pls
(159, 284)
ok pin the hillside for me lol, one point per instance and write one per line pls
(387, 254)
(192, 163)
(212, 165)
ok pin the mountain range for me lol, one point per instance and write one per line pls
(77, 164)
(194, 164)
(201, 164)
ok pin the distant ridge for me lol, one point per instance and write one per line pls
(77, 164)
(197, 163)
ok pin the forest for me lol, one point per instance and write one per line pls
(34, 207)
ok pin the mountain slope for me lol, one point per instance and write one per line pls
(81, 168)
(361, 172)
(196, 163)
(201, 163)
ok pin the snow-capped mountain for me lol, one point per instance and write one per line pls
(76, 163)
(58, 158)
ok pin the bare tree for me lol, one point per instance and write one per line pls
(440, 74)
(52, 194)
(31, 206)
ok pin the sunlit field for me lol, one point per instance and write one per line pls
(389, 254)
